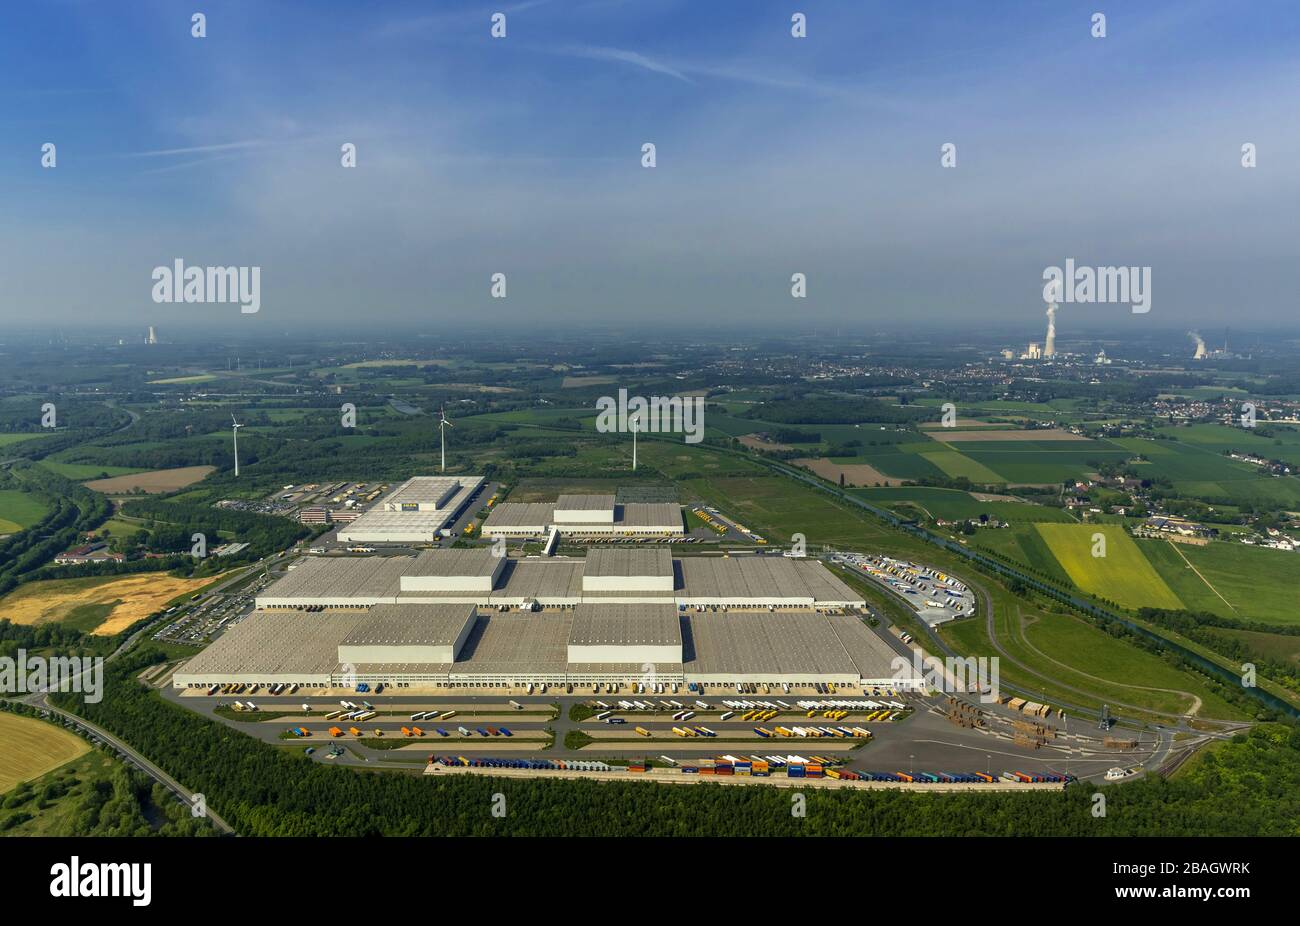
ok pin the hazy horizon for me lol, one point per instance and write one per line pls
(775, 155)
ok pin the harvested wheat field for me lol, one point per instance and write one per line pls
(1035, 434)
(100, 604)
(855, 474)
(153, 481)
(29, 748)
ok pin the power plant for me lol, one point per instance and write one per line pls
(1049, 346)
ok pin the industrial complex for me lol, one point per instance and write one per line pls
(468, 618)
(414, 512)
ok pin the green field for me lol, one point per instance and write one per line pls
(952, 503)
(1024, 545)
(1167, 558)
(1140, 677)
(18, 510)
(1284, 648)
(1259, 583)
(1201, 472)
(1036, 462)
(1123, 575)
(1283, 445)
(957, 464)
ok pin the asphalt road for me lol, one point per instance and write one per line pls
(924, 741)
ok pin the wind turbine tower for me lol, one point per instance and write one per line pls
(632, 424)
(443, 425)
(234, 431)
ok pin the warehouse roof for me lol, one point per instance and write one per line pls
(520, 514)
(517, 643)
(478, 562)
(382, 521)
(754, 579)
(519, 579)
(770, 578)
(873, 657)
(626, 625)
(792, 642)
(541, 578)
(411, 625)
(278, 642)
(604, 562)
(648, 514)
(425, 489)
(340, 577)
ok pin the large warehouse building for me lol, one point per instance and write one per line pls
(585, 516)
(414, 512)
(467, 618)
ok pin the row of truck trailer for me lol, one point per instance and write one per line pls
(754, 767)
(820, 704)
(234, 688)
(417, 731)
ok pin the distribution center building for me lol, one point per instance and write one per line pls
(580, 516)
(414, 512)
(449, 618)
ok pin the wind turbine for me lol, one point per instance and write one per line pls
(234, 430)
(443, 425)
(632, 425)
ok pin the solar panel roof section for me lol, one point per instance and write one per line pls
(625, 625)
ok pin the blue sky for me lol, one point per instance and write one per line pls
(775, 155)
